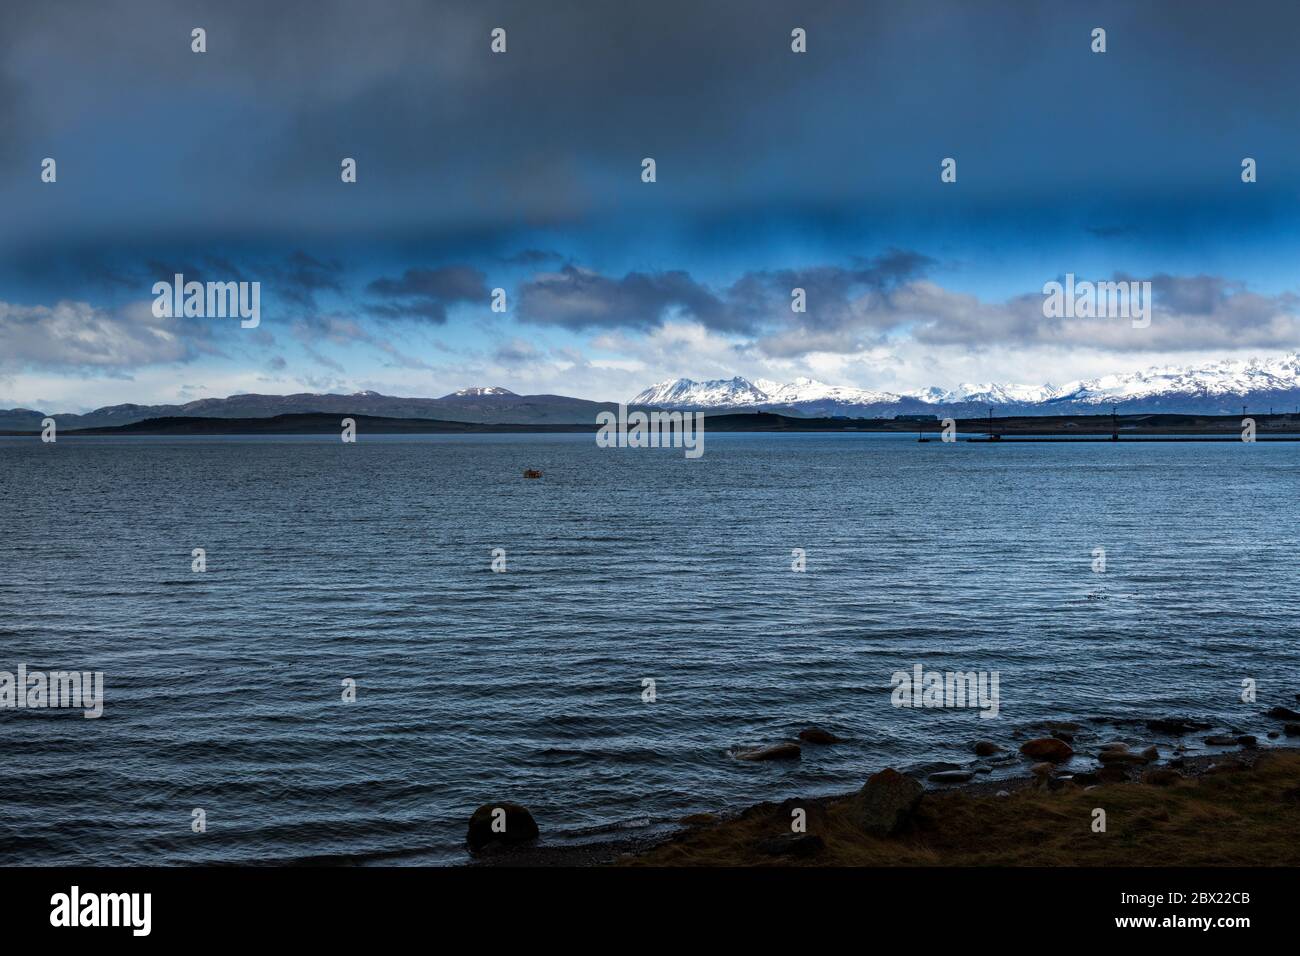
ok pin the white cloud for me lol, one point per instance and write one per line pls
(78, 335)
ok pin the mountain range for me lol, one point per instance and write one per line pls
(491, 404)
(1213, 388)
(1220, 388)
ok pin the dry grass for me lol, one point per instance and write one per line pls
(1246, 818)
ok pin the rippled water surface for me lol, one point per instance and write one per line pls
(373, 562)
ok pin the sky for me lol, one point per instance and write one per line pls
(522, 171)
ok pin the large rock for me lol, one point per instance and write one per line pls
(985, 748)
(951, 776)
(512, 826)
(774, 752)
(1047, 748)
(1292, 730)
(887, 801)
(816, 735)
(1284, 713)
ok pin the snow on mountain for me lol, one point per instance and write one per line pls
(477, 391)
(993, 393)
(717, 393)
(803, 390)
(1196, 388)
(741, 392)
(1212, 380)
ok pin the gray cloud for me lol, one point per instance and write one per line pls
(579, 299)
(576, 298)
(857, 307)
(517, 352)
(426, 293)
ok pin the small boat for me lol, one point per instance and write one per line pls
(532, 473)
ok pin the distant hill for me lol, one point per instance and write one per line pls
(488, 405)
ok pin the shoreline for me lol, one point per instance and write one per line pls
(1227, 778)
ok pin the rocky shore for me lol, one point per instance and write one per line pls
(1167, 791)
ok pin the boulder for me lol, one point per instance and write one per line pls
(774, 752)
(887, 801)
(930, 766)
(1292, 730)
(1220, 740)
(985, 748)
(792, 844)
(1113, 774)
(1066, 725)
(1047, 748)
(951, 776)
(816, 735)
(1151, 753)
(501, 823)
(1284, 713)
(1062, 735)
(1247, 740)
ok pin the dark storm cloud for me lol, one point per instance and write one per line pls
(577, 298)
(302, 276)
(427, 293)
(448, 135)
(856, 307)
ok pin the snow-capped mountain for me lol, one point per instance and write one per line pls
(993, 393)
(477, 391)
(741, 393)
(1215, 387)
(719, 393)
(1215, 380)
